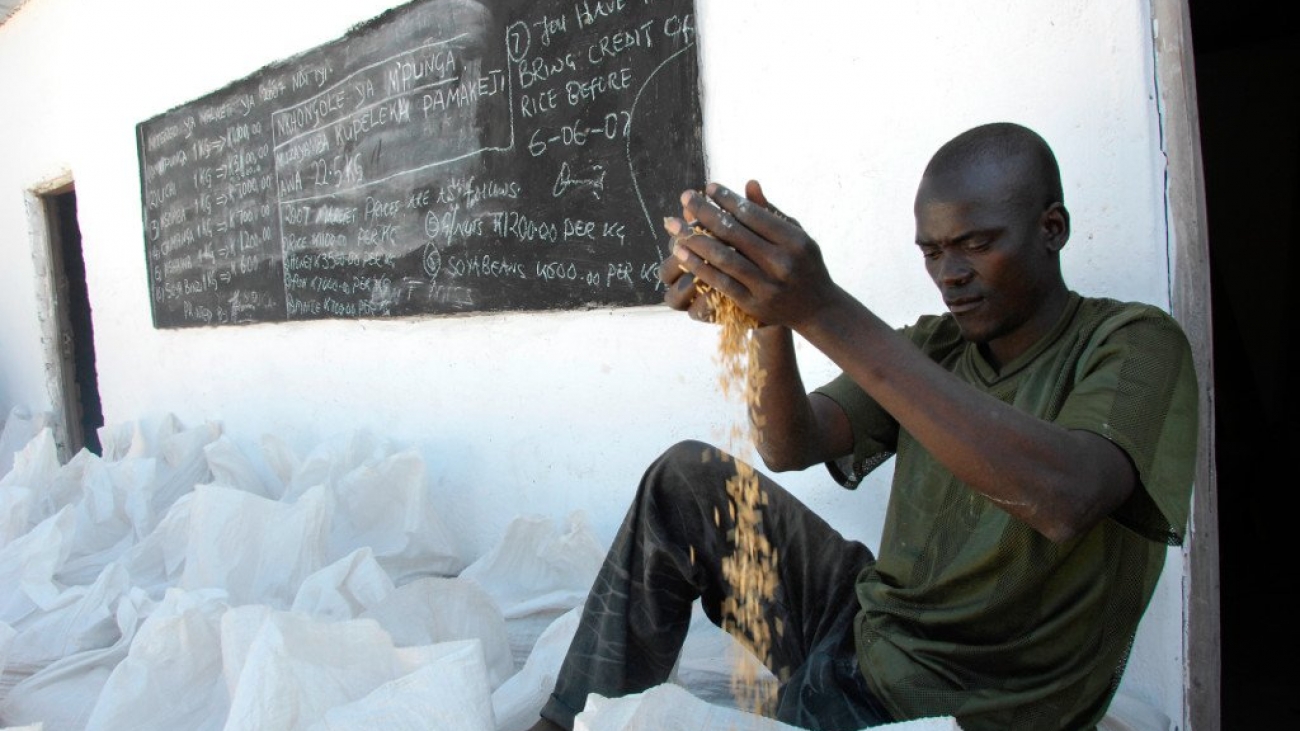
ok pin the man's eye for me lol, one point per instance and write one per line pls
(930, 252)
(977, 244)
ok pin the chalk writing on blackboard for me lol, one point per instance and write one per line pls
(448, 156)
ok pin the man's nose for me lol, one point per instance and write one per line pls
(955, 270)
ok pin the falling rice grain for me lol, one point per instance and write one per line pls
(751, 569)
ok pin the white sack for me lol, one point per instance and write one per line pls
(19, 430)
(449, 694)
(281, 459)
(383, 500)
(669, 706)
(34, 466)
(293, 669)
(537, 573)
(15, 512)
(171, 677)
(345, 588)
(386, 505)
(535, 568)
(6, 641)
(26, 444)
(35, 463)
(239, 627)
(27, 567)
(181, 463)
(82, 618)
(62, 695)
(231, 467)
(517, 703)
(430, 611)
(113, 511)
(334, 458)
(256, 549)
(65, 487)
(156, 562)
(121, 440)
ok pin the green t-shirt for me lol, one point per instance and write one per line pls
(968, 611)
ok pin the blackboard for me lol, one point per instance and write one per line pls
(447, 156)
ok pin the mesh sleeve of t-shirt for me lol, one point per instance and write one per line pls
(1137, 388)
(875, 433)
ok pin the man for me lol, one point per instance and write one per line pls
(1045, 446)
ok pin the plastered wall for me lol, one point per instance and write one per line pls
(835, 106)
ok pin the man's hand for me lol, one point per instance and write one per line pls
(761, 259)
(680, 290)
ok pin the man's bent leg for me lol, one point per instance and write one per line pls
(667, 553)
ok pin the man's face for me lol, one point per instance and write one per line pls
(991, 249)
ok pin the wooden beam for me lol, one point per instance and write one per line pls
(1190, 298)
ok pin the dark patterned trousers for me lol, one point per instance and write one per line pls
(669, 551)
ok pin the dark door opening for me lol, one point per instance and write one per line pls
(1247, 57)
(82, 411)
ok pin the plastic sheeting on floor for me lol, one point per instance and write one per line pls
(178, 583)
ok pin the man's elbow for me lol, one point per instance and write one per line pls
(1059, 532)
(1067, 523)
(1078, 497)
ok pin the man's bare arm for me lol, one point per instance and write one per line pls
(793, 429)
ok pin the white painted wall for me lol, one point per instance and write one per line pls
(836, 106)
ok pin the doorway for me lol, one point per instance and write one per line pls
(75, 380)
(1246, 59)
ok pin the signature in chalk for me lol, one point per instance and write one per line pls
(565, 181)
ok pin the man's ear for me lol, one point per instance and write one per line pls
(1055, 224)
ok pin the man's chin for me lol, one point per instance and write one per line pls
(971, 332)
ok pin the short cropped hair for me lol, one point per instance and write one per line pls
(1004, 142)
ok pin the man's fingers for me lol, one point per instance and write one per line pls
(759, 216)
(670, 270)
(754, 192)
(679, 284)
(717, 264)
(724, 227)
(700, 309)
(679, 292)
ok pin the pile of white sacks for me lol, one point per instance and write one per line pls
(175, 583)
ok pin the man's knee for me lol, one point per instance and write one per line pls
(689, 467)
(690, 452)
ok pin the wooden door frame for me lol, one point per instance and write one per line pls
(52, 315)
(1189, 290)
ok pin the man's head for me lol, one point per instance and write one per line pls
(991, 223)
